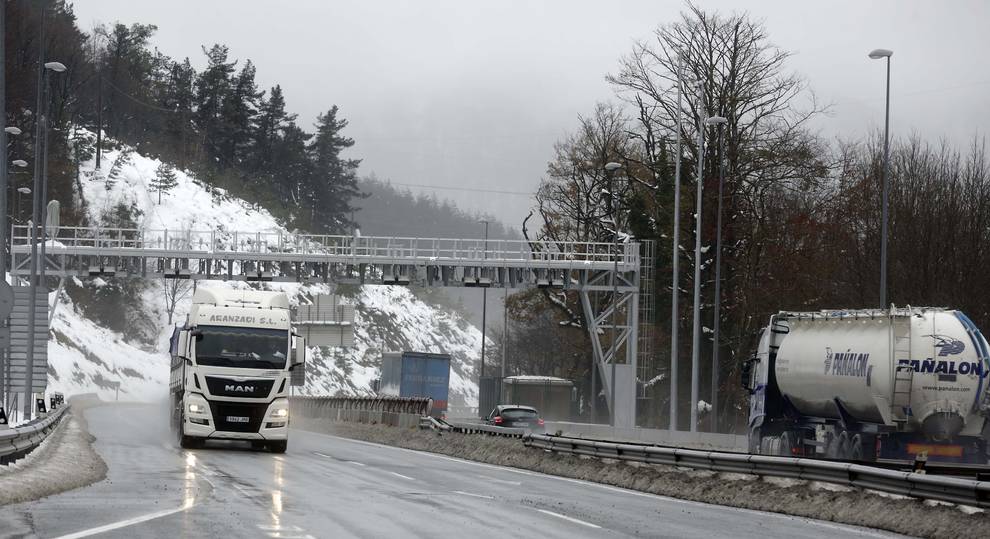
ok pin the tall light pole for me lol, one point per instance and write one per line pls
(675, 320)
(719, 121)
(38, 214)
(876, 55)
(696, 345)
(484, 306)
(610, 169)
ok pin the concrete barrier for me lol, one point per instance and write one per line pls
(694, 440)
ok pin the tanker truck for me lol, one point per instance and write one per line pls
(870, 385)
(230, 370)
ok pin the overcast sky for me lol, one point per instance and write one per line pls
(473, 94)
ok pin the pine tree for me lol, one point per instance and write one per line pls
(333, 184)
(164, 179)
(212, 88)
(116, 169)
(237, 115)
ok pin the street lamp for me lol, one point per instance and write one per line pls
(675, 319)
(719, 121)
(484, 306)
(12, 130)
(19, 163)
(38, 214)
(877, 54)
(610, 169)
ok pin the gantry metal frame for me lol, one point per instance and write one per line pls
(586, 267)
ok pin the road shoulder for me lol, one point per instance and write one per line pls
(797, 498)
(66, 460)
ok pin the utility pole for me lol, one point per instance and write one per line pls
(35, 219)
(675, 319)
(484, 307)
(4, 226)
(718, 282)
(696, 347)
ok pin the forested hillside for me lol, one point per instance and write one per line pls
(216, 122)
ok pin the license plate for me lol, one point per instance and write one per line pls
(237, 419)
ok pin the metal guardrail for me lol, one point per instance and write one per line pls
(18, 441)
(947, 489)
(401, 405)
(467, 427)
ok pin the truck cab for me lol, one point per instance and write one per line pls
(231, 370)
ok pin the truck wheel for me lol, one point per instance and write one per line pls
(786, 446)
(279, 446)
(190, 442)
(856, 448)
(843, 446)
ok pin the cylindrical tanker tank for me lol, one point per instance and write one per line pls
(923, 370)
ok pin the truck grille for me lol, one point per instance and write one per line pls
(228, 387)
(222, 411)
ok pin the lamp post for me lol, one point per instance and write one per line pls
(484, 306)
(675, 257)
(610, 169)
(877, 54)
(37, 221)
(696, 326)
(719, 121)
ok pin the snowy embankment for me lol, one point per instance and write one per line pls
(85, 357)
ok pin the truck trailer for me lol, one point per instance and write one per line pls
(230, 369)
(870, 385)
(417, 374)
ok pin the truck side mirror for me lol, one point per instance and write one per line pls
(182, 344)
(746, 373)
(299, 354)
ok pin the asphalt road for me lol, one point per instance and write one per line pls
(333, 487)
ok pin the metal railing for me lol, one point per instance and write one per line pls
(947, 489)
(288, 247)
(400, 405)
(18, 441)
(467, 427)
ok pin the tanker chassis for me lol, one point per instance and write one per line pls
(230, 371)
(870, 385)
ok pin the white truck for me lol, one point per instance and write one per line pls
(231, 370)
(871, 385)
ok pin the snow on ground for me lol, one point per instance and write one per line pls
(85, 358)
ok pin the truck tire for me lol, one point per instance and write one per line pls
(190, 442)
(279, 446)
(856, 448)
(187, 442)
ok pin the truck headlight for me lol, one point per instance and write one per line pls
(196, 408)
(280, 413)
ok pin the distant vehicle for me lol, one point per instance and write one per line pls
(870, 385)
(515, 416)
(417, 374)
(230, 372)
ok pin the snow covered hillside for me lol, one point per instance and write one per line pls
(85, 357)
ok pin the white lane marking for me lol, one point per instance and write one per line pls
(569, 519)
(461, 492)
(402, 476)
(821, 523)
(124, 523)
(497, 480)
(324, 455)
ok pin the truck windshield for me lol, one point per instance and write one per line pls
(248, 348)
